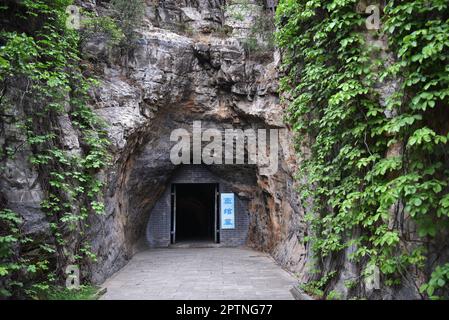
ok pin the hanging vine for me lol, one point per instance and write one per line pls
(43, 81)
(376, 164)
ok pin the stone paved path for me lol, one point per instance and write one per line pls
(200, 273)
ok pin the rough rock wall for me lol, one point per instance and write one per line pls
(184, 69)
(188, 64)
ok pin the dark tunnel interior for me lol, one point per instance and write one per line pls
(195, 206)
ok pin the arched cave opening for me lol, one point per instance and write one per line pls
(138, 198)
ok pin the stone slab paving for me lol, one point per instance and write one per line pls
(200, 273)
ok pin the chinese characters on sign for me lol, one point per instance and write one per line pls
(227, 211)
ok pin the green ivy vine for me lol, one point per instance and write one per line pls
(371, 112)
(42, 81)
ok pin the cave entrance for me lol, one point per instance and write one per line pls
(194, 215)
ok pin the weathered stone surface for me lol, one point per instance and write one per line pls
(183, 69)
(69, 136)
(200, 274)
(171, 80)
(189, 64)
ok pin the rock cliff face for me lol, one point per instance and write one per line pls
(189, 64)
(171, 79)
(191, 60)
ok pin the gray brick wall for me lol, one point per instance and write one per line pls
(158, 226)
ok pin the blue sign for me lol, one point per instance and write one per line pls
(227, 209)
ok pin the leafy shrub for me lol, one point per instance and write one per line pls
(40, 75)
(371, 166)
(438, 283)
(102, 26)
(128, 14)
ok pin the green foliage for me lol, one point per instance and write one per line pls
(83, 293)
(237, 9)
(10, 262)
(94, 26)
(334, 295)
(43, 65)
(316, 288)
(369, 167)
(439, 282)
(115, 26)
(259, 42)
(128, 14)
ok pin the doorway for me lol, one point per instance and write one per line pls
(194, 212)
